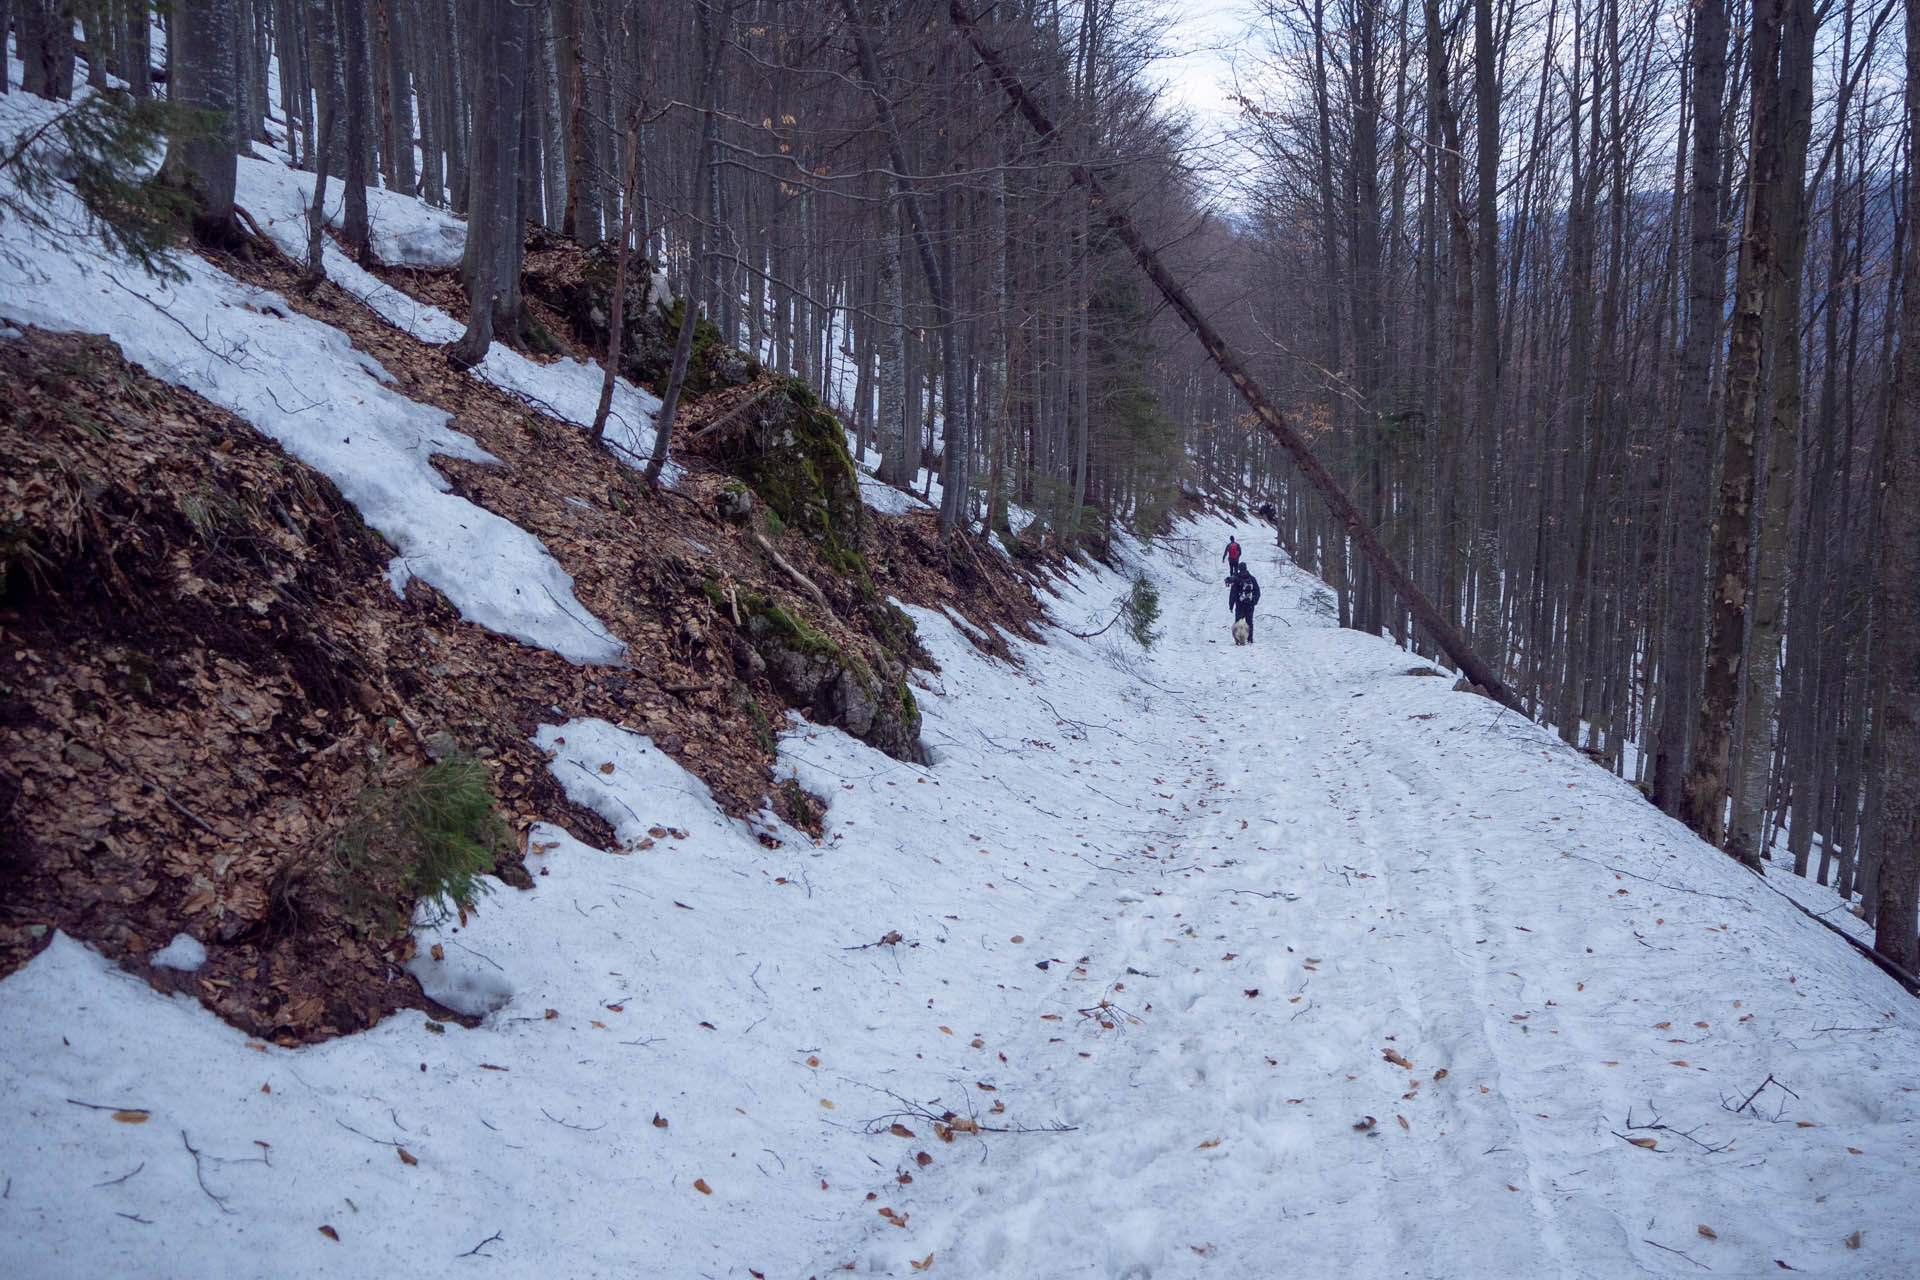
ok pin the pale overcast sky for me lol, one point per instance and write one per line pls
(1209, 30)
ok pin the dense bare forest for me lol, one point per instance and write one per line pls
(1595, 308)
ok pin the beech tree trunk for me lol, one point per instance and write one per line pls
(1487, 633)
(490, 267)
(1705, 790)
(324, 58)
(617, 308)
(205, 73)
(1898, 895)
(354, 71)
(1683, 615)
(1748, 836)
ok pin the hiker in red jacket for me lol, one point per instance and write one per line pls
(1231, 555)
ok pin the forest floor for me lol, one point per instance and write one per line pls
(207, 669)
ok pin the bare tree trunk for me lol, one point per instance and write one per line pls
(1487, 632)
(433, 94)
(617, 308)
(1898, 890)
(1705, 790)
(323, 57)
(1748, 838)
(249, 78)
(1684, 623)
(895, 466)
(713, 38)
(293, 103)
(456, 102)
(396, 118)
(567, 62)
(355, 73)
(45, 45)
(1455, 436)
(140, 51)
(1333, 348)
(491, 265)
(205, 76)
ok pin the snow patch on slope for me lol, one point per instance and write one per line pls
(303, 384)
(567, 389)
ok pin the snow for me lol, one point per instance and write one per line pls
(184, 953)
(1172, 909)
(886, 499)
(302, 383)
(405, 232)
(1154, 921)
(567, 389)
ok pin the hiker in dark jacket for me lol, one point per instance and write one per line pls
(1243, 592)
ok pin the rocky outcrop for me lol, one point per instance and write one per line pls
(576, 283)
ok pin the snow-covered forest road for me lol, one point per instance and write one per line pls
(1245, 962)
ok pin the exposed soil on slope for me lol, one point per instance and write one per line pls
(203, 668)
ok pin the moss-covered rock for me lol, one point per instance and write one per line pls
(576, 283)
(794, 454)
(833, 686)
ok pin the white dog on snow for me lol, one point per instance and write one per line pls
(1242, 631)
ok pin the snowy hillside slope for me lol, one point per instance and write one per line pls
(303, 384)
(1165, 927)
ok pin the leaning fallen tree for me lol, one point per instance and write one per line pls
(1436, 624)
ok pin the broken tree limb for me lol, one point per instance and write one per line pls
(1910, 982)
(819, 596)
(731, 416)
(1444, 633)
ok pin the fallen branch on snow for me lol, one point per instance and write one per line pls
(1656, 1125)
(475, 1251)
(1756, 1093)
